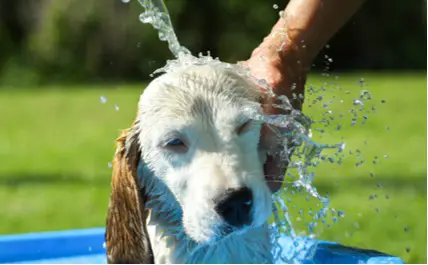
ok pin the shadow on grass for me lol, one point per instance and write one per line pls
(51, 179)
(416, 183)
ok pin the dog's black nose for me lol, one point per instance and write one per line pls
(235, 206)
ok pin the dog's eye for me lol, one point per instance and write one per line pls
(176, 145)
(175, 142)
(244, 127)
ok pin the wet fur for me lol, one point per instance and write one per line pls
(146, 222)
(128, 242)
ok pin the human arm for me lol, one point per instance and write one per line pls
(285, 56)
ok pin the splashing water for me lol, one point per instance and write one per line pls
(300, 153)
(157, 14)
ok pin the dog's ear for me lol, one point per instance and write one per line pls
(127, 239)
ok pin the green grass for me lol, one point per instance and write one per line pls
(55, 145)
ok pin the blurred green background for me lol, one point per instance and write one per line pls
(59, 58)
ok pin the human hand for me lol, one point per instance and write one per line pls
(284, 74)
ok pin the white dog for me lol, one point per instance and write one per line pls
(188, 183)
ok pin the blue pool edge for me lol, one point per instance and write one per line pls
(87, 246)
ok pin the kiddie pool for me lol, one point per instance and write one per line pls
(86, 246)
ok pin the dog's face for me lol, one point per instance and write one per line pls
(198, 137)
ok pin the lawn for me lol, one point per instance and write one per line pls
(56, 144)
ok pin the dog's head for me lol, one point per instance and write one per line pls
(198, 136)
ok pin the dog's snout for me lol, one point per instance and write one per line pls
(234, 206)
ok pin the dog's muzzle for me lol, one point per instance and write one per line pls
(234, 206)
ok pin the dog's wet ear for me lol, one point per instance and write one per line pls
(127, 240)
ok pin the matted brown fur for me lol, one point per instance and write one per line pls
(127, 240)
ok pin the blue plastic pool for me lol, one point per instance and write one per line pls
(86, 246)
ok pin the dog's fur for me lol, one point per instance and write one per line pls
(161, 207)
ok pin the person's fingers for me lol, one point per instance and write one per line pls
(279, 81)
(273, 169)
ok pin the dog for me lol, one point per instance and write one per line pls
(188, 184)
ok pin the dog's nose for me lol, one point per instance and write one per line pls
(234, 206)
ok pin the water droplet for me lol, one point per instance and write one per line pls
(109, 164)
(386, 156)
(116, 107)
(406, 229)
(387, 128)
(103, 99)
(372, 175)
(330, 60)
(275, 6)
(407, 249)
(358, 102)
(341, 147)
(387, 197)
(383, 101)
(327, 46)
(311, 226)
(126, 1)
(365, 95)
